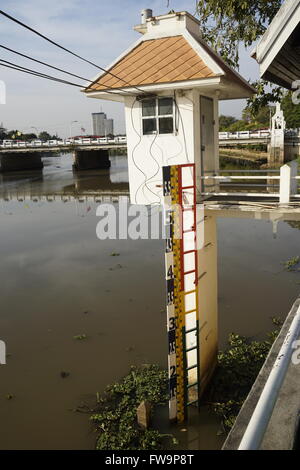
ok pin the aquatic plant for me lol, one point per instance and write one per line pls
(80, 337)
(290, 264)
(115, 417)
(238, 367)
(115, 414)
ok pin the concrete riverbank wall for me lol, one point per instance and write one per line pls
(283, 427)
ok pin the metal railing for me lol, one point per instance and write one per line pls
(263, 134)
(244, 135)
(260, 134)
(287, 183)
(63, 143)
(261, 416)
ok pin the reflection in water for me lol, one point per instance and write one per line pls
(58, 280)
(294, 224)
(57, 179)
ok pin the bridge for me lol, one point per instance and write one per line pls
(225, 138)
(93, 153)
(292, 136)
(10, 146)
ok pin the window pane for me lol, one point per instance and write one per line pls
(148, 107)
(165, 106)
(166, 125)
(149, 126)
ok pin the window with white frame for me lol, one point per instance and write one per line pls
(158, 115)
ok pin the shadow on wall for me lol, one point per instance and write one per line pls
(297, 439)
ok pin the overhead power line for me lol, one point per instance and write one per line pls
(52, 67)
(67, 50)
(35, 73)
(44, 63)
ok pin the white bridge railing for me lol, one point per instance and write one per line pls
(261, 134)
(240, 135)
(264, 134)
(287, 183)
(63, 143)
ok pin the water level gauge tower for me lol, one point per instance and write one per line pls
(170, 82)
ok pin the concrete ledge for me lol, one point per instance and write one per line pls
(281, 431)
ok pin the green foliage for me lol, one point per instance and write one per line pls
(115, 416)
(265, 93)
(236, 372)
(28, 137)
(19, 135)
(80, 337)
(225, 122)
(44, 136)
(261, 118)
(226, 24)
(291, 111)
(290, 264)
(249, 121)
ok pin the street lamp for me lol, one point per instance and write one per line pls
(72, 122)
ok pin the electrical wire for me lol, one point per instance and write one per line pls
(37, 74)
(66, 50)
(134, 161)
(158, 168)
(55, 68)
(183, 130)
(44, 63)
(135, 147)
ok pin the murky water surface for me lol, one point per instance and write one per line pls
(58, 280)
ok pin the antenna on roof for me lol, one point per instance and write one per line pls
(146, 14)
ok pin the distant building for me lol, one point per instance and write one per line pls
(101, 125)
(109, 125)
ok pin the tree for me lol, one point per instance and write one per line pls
(248, 122)
(225, 24)
(291, 111)
(14, 134)
(29, 137)
(261, 119)
(2, 133)
(44, 136)
(225, 122)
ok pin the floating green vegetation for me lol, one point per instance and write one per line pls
(115, 415)
(236, 372)
(290, 264)
(64, 374)
(80, 337)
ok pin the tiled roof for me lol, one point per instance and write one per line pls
(165, 60)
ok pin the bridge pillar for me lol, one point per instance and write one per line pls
(20, 161)
(91, 160)
(276, 155)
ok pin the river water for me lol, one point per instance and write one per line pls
(58, 280)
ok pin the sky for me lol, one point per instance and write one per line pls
(99, 30)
